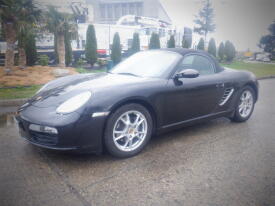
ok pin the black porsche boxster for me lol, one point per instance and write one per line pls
(150, 92)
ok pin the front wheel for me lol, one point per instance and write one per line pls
(128, 130)
(245, 105)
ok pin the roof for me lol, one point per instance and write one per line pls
(184, 51)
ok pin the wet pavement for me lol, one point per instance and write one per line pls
(214, 163)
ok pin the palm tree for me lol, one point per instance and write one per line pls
(57, 23)
(16, 17)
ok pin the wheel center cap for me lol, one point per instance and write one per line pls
(131, 131)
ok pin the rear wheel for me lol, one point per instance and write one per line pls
(128, 130)
(245, 105)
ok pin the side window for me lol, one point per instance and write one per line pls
(188, 61)
(199, 63)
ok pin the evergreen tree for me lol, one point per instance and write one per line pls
(116, 49)
(267, 42)
(229, 51)
(91, 45)
(186, 42)
(212, 47)
(135, 44)
(201, 44)
(171, 42)
(221, 51)
(205, 20)
(30, 48)
(68, 47)
(154, 41)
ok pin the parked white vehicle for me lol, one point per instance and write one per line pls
(126, 27)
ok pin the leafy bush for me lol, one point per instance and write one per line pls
(101, 62)
(80, 62)
(43, 60)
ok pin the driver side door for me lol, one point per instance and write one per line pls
(192, 98)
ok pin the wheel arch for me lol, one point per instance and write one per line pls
(141, 101)
(254, 87)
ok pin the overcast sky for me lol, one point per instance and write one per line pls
(241, 21)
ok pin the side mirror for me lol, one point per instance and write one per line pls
(187, 73)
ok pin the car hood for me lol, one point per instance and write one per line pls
(58, 91)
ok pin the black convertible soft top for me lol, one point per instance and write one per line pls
(183, 51)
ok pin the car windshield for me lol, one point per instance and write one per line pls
(148, 64)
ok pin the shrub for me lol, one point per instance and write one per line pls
(171, 42)
(154, 41)
(30, 49)
(229, 51)
(43, 60)
(135, 44)
(201, 44)
(212, 47)
(102, 62)
(116, 49)
(221, 51)
(80, 62)
(91, 46)
(187, 38)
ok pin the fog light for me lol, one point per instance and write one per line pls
(44, 129)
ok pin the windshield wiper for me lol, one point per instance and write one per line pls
(126, 73)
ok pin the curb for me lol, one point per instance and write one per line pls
(268, 77)
(18, 102)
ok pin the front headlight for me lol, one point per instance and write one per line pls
(74, 103)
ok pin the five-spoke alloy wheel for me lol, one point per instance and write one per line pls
(128, 130)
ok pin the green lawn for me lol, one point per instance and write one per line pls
(259, 69)
(19, 92)
(82, 70)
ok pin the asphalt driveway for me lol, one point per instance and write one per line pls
(214, 163)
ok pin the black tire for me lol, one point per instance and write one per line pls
(237, 116)
(108, 134)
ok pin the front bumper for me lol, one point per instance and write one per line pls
(75, 131)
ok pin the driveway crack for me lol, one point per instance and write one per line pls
(64, 179)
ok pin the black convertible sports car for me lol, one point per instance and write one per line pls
(150, 92)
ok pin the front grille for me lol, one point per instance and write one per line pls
(36, 137)
(227, 94)
(44, 138)
(20, 124)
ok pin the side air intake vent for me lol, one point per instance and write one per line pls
(227, 94)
